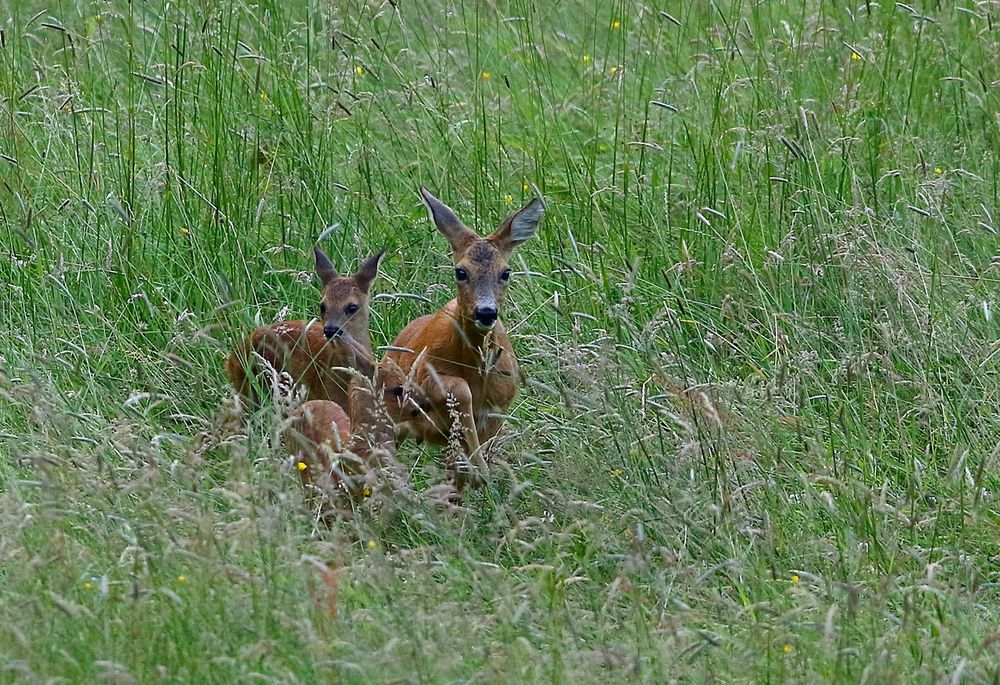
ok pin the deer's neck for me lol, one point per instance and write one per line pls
(364, 341)
(473, 339)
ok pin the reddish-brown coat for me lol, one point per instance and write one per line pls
(461, 358)
(308, 354)
(299, 349)
(320, 431)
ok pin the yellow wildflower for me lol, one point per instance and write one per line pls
(938, 170)
(359, 70)
(184, 230)
(855, 57)
(263, 96)
(366, 491)
(525, 186)
(586, 59)
(301, 466)
(486, 75)
(613, 70)
(616, 24)
(508, 198)
(371, 544)
(618, 473)
(787, 649)
(182, 579)
(88, 585)
(795, 579)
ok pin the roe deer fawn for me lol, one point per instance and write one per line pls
(340, 454)
(315, 354)
(461, 358)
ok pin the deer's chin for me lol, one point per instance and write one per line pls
(484, 327)
(342, 339)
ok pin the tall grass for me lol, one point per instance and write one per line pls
(759, 437)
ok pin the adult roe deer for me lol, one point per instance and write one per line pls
(315, 354)
(461, 358)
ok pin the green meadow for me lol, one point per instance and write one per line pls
(759, 435)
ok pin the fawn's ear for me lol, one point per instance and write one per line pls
(451, 227)
(368, 271)
(520, 225)
(324, 267)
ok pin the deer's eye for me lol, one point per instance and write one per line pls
(461, 275)
(351, 309)
(505, 275)
(322, 309)
(397, 391)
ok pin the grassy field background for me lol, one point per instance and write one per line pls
(760, 437)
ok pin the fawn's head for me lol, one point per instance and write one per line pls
(343, 307)
(404, 401)
(481, 269)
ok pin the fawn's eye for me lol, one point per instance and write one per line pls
(351, 309)
(461, 275)
(505, 275)
(322, 309)
(397, 391)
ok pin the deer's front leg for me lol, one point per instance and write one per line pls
(450, 395)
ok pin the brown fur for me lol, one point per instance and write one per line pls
(457, 352)
(342, 454)
(299, 349)
(302, 350)
(313, 425)
(451, 357)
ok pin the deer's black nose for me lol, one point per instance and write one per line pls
(485, 316)
(331, 331)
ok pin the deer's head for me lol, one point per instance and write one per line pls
(403, 399)
(481, 264)
(343, 307)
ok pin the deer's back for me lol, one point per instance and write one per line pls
(317, 430)
(303, 352)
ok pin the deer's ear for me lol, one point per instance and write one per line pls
(520, 225)
(368, 271)
(324, 267)
(451, 227)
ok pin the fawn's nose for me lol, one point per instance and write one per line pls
(485, 316)
(331, 331)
